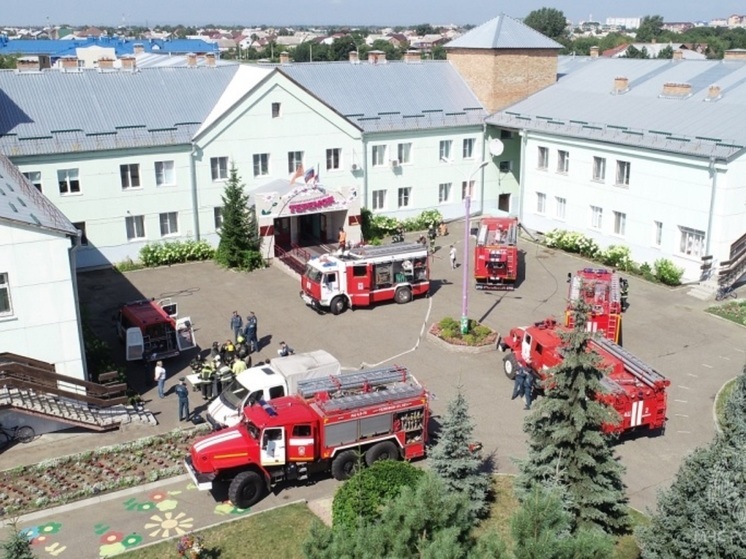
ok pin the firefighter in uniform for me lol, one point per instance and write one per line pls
(207, 375)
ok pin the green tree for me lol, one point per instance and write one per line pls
(651, 27)
(17, 545)
(666, 52)
(439, 52)
(634, 52)
(567, 445)
(453, 460)
(340, 49)
(548, 21)
(237, 241)
(424, 29)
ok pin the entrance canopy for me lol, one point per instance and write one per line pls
(281, 198)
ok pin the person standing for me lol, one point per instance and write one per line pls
(183, 393)
(236, 324)
(250, 332)
(518, 382)
(528, 389)
(453, 257)
(342, 238)
(160, 378)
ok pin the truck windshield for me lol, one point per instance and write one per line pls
(253, 430)
(233, 395)
(313, 274)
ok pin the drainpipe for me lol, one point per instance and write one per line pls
(72, 255)
(522, 182)
(194, 152)
(481, 175)
(365, 173)
(714, 182)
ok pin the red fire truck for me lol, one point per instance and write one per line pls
(366, 275)
(331, 424)
(604, 292)
(634, 389)
(496, 253)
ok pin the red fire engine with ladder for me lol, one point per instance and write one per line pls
(633, 388)
(496, 253)
(602, 291)
(366, 275)
(331, 424)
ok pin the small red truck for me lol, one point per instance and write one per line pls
(331, 424)
(605, 293)
(633, 388)
(496, 253)
(366, 275)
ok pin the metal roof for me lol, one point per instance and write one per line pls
(65, 47)
(59, 112)
(392, 95)
(503, 32)
(583, 104)
(20, 202)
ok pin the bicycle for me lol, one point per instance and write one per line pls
(21, 433)
(726, 292)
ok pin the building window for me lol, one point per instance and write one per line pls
(445, 150)
(506, 166)
(597, 216)
(657, 233)
(379, 199)
(469, 148)
(261, 164)
(275, 110)
(599, 169)
(295, 160)
(68, 181)
(135, 227)
(333, 159)
(692, 242)
(622, 173)
(219, 168)
(164, 173)
(620, 223)
(6, 308)
(34, 177)
(444, 192)
(169, 223)
(379, 156)
(404, 152)
(403, 198)
(560, 205)
(563, 161)
(80, 226)
(467, 189)
(130, 175)
(217, 213)
(541, 203)
(505, 134)
(543, 162)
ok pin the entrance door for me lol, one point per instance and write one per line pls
(282, 232)
(503, 202)
(310, 229)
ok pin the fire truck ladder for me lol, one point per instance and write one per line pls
(385, 250)
(612, 326)
(353, 381)
(636, 366)
(397, 391)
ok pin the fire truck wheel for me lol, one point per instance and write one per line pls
(246, 489)
(345, 465)
(510, 365)
(385, 450)
(403, 295)
(338, 305)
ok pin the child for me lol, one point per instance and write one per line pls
(453, 257)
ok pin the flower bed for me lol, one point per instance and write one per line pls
(70, 478)
(479, 338)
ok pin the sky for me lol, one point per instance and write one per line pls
(341, 12)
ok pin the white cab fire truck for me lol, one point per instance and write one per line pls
(333, 424)
(366, 275)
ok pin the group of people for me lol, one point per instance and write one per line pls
(523, 386)
(248, 331)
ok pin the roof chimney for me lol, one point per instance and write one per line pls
(671, 89)
(129, 63)
(191, 59)
(376, 57)
(284, 57)
(138, 48)
(354, 58)
(594, 51)
(69, 63)
(734, 54)
(412, 56)
(678, 54)
(32, 63)
(210, 59)
(621, 84)
(105, 64)
(713, 93)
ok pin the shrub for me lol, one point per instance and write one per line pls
(449, 329)
(174, 252)
(128, 265)
(667, 272)
(383, 225)
(617, 257)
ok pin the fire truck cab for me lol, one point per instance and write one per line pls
(152, 331)
(496, 253)
(366, 275)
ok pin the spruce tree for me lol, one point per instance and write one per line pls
(454, 460)
(17, 546)
(235, 233)
(566, 443)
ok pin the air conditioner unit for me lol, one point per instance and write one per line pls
(394, 163)
(354, 167)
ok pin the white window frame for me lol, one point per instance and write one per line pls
(378, 199)
(135, 225)
(467, 188)
(468, 148)
(404, 196)
(444, 192)
(164, 173)
(129, 175)
(333, 159)
(219, 168)
(34, 177)
(404, 152)
(599, 169)
(541, 203)
(378, 155)
(563, 161)
(6, 302)
(169, 222)
(691, 242)
(623, 169)
(560, 207)
(543, 158)
(597, 217)
(217, 215)
(620, 223)
(261, 164)
(657, 233)
(295, 159)
(444, 150)
(70, 178)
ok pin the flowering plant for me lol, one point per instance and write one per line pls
(190, 546)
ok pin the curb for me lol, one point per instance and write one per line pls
(715, 421)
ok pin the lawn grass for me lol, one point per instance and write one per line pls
(735, 311)
(278, 533)
(722, 398)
